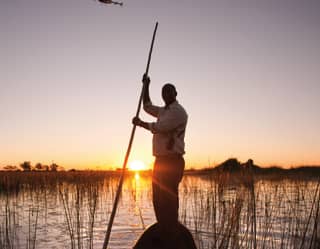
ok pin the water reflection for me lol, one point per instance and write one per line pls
(139, 183)
(73, 212)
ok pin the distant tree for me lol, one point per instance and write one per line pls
(45, 167)
(39, 167)
(54, 167)
(26, 166)
(11, 168)
(231, 165)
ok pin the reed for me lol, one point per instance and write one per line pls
(8, 233)
(80, 203)
(240, 211)
(223, 210)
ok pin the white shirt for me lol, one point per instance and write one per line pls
(169, 130)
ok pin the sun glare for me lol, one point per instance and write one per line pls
(137, 165)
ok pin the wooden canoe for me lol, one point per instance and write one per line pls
(151, 239)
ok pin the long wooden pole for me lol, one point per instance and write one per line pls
(116, 200)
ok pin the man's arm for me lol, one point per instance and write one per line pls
(147, 104)
(146, 95)
(172, 120)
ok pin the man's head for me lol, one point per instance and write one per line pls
(169, 93)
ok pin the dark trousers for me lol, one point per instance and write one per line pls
(167, 174)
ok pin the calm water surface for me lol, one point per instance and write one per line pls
(75, 216)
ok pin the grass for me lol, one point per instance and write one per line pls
(240, 211)
(223, 210)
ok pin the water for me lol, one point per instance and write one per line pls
(74, 214)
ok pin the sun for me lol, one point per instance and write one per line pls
(137, 165)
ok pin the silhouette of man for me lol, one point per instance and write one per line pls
(168, 148)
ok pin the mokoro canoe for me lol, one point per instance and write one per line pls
(151, 239)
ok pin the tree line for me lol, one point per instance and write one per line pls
(27, 166)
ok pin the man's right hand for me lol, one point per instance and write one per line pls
(146, 79)
(136, 121)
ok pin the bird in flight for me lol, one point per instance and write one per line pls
(111, 2)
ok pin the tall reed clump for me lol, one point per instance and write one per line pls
(243, 210)
(24, 206)
(214, 212)
(10, 224)
(8, 232)
(311, 233)
(32, 228)
(80, 202)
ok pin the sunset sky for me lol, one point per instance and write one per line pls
(246, 71)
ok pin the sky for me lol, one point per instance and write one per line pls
(246, 71)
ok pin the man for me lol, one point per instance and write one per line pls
(168, 149)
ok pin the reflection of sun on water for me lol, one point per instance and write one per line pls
(140, 182)
(137, 176)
